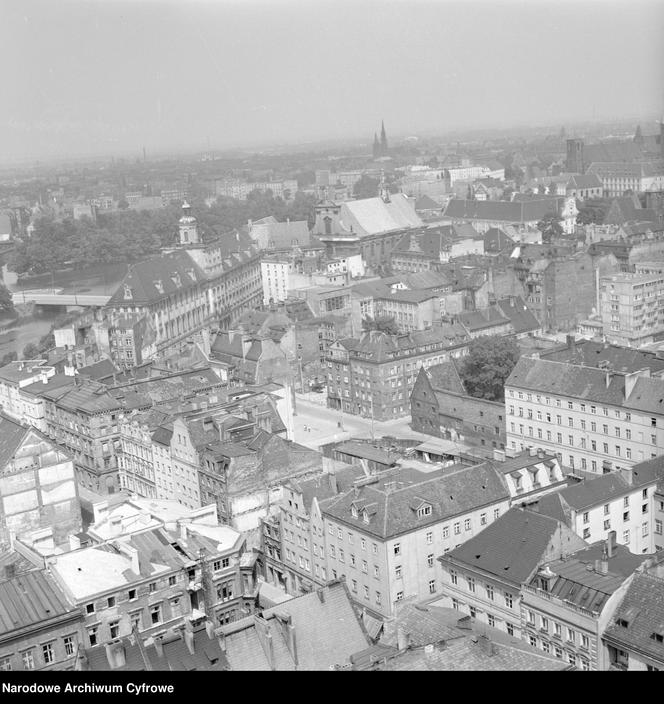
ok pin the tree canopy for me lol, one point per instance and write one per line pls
(489, 362)
(383, 323)
(130, 235)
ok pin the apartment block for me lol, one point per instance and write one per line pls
(594, 419)
(632, 308)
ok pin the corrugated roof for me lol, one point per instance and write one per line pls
(30, 599)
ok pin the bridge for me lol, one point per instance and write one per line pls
(51, 297)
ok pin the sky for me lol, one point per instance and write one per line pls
(97, 77)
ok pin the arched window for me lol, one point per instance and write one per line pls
(328, 225)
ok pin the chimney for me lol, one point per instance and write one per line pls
(604, 563)
(486, 646)
(499, 455)
(611, 543)
(403, 639)
(532, 451)
(221, 639)
(333, 482)
(189, 640)
(540, 453)
(321, 595)
(209, 628)
(290, 641)
(571, 343)
(626, 474)
(158, 646)
(115, 654)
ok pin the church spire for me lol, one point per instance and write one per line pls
(383, 139)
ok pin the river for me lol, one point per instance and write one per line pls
(99, 279)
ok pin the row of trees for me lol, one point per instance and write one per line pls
(129, 235)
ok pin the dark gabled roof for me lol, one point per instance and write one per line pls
(445, 377)
(495, 240)
(585, 383)
(426, 203)
(366, 451)
(174, 272)
(30, 599)
(584, 181)
(326, 627)
(423, 624)
(511, 547)
(518, 313)
(99, 370)
(392, 500)
(595, 491)
(578, 581)
(11, 437)
(175, 654)
(639, 615)
(482, 319)
(503, 211)
(647, 395)
(592, 354)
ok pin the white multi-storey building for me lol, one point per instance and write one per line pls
(274, 274)
(593, 419)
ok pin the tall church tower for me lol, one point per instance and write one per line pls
(188, 227)
(383, 139)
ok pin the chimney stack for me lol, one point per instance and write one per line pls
(486, 646)
(189, 640)
(333, 482)
(611, 543)
(403, 639)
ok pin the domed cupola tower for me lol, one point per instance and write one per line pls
(188, 227)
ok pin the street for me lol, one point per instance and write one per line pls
(315, 425)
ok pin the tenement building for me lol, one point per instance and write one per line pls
(595, 419)
(374, 376)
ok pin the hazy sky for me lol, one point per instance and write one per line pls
(103, 76)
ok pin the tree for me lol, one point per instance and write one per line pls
(550, 227)
(6, 303)
(383, 323)
(489, 362)
(366, 187)
(30, 351)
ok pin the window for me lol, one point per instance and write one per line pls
(644, 530)
(397, 571)
(571, 635)
(496, 513)
(28, 660)
(471, 584)
(531, 618)
(47, 653)
(558, 651)
(424, 511)
(446, 532)
(111, 602)
(397, 548)
(489, 592)
(457, 528)
(453, 577)
(114, 629)
(557, 630)
(5, 664)
(378, 597)
(430, 560)
(354, 585)
(658, 526)
(172, 580)
(153, 587)
(155, 613)
(586, 517)
(491, 620)
(606, 509)
(586, 533)
(466, 524)
(533, 641)
(585, 641)
(509, 627)
(92, 635)
(69, 645)
(626, 537)
(131, 594)
(546, 647)
(482, 519)
(432, 586)
(509, 600)
(89, 608)
(607, 525)
(399, 596)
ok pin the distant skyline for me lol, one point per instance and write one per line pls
(111, 76)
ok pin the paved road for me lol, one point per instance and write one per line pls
(315, 425)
